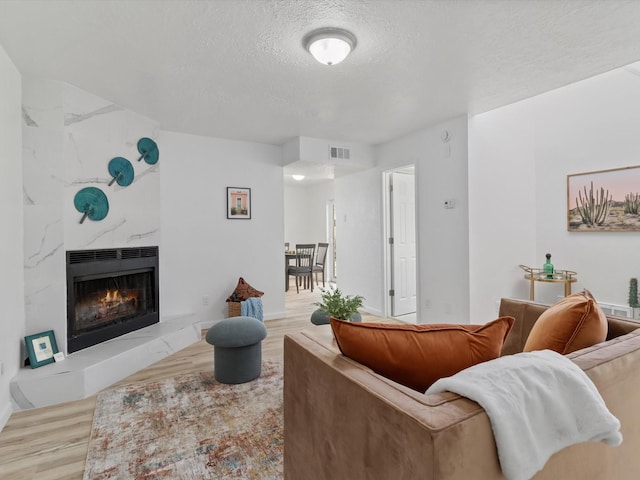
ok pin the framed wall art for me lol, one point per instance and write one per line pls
(604, 201)
(238, 203)
(41, 348)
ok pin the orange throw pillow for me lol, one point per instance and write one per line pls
(418, 355)
(573, 323)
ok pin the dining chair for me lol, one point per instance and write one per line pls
(321, 258)
(302, 270)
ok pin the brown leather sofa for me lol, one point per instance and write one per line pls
(342, 421)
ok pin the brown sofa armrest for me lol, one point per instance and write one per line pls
(343, 421)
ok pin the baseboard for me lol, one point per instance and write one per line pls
(372, 311)
(5, 413)
(207, 324)
(275, 316)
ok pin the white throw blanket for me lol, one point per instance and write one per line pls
(538, 403)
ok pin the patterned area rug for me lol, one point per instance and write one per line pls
(189, 427)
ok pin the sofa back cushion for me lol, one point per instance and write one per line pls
(526, 314)
(418, 355)
(572, 323)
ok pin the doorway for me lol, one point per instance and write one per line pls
(400, 238)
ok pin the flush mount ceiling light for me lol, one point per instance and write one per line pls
(298, 177)
(329, 46)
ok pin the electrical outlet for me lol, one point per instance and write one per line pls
(205, 300)
(1, 369)
(450, 203)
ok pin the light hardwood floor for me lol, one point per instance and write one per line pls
(50, 443)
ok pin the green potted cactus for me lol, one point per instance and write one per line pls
(633, 297)
(335, 304)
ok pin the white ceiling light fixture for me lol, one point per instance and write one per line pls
(329, 46)
(298, 177)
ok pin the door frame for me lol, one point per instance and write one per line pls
(386, 228)
(330, 266)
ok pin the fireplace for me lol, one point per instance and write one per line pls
(110, 292)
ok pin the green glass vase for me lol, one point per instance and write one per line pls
(547, 268)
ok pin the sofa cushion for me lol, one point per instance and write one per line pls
(418, 355)
(573, 323)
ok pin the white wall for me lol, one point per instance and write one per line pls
(316, 150)
(11, 233)
(359, 249)
(502, 208)
(442, 252)
(305, 212)
(204, 253)
(519, 161)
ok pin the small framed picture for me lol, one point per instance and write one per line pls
(41, 348)
(238, 203)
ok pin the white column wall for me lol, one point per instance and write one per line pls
(502, 208)
(204, 253)
(359, 249)
(12, 320)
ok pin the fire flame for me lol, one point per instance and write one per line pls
(114, 297)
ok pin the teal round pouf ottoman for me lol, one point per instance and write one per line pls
(320, 317)
(237, 349)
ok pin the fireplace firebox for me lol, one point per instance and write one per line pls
(110, 292)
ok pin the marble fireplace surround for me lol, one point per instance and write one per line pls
(68, 138)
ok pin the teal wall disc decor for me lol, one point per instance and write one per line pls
(121, 170)
(148, 150)
(92, 203)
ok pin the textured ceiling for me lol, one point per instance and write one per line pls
(237, 69)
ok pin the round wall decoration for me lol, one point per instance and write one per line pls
(148, 150)
(92, 203)
(121, 170)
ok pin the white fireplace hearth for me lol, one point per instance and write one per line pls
(92, 369)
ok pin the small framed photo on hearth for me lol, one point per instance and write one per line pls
(238, 203)
(41, 348)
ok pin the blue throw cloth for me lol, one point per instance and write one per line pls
(252, 307)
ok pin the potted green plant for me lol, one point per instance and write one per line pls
(335, 304)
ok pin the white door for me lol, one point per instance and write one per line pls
(403, 243)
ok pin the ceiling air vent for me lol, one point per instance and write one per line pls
(339, 153)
